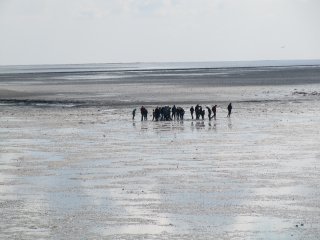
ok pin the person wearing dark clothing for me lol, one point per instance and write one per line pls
(192, 111)
(229, 109)
(209, 113)
(174, 112)
(153, 115)
(142, 109)
(180, 113)
(202, 113)
(214, 111)
(134, 113)
(144, 113)
(166, 113)
(197, 109)
(157, 113)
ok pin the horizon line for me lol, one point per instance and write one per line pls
(160, 62)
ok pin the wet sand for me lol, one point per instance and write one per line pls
(88, 171)
(160, 86)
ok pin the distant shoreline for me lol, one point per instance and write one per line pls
(124, 87)
(140, 66)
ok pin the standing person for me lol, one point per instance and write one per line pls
(209, 112)
(174, 112)
(192, 111)
(214, 111)
(153, 115)
(134, 113)
(143, 113)
(157, 113)
(229, 109)
(197, 109)
(202, 113)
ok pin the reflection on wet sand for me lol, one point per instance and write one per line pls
(229, 123)
(160, 127)
(106, 176)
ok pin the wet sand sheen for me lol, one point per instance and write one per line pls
(123, 88)
(92, 172)
(74, 165)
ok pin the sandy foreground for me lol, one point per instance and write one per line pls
(73, 164)
(92, 172)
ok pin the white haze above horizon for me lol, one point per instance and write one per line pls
(99, 31)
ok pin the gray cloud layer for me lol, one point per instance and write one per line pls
(76, 31)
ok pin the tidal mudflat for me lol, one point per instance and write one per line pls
(91, 172)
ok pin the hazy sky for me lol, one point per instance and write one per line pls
(92, 31)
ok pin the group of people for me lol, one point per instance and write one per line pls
(167, 113)
(200, 112)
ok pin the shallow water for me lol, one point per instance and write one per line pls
(71, 173)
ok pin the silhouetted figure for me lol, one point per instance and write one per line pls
(180, 113)
(174, 112)
(214, 111)
(153, 115)
(165, 113)
(197, 110)
(229, 109)
(209, 113)
(134, 113)
(192, 111)
(203, 112)
(200, 112)
(142, 109)
(157, 114)
(144, 113)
